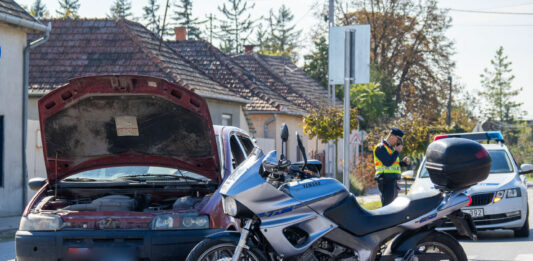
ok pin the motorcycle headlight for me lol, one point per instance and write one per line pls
(499, 196)
(40, 222)
(180, 221)
(230, 206)
(513, 193)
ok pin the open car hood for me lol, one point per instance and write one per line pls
(117, 120)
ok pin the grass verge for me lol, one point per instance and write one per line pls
(371, 205)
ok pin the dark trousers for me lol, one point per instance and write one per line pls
(388, 186)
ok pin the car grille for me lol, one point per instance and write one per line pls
(482, 199)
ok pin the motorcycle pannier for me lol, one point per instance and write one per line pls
(456, 163)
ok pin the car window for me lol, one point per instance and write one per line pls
(236, 152)
(113, 173)
(500, 164)
(247, 144)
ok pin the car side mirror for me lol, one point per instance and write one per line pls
(36, 183)
(408, 175)
(526, 169)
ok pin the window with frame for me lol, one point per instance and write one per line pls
(227, 119)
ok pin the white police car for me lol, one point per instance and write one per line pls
(500, 201)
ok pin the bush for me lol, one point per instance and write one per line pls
(356, 187)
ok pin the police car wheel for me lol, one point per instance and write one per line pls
(524, 230)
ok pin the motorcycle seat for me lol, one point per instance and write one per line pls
(350, 216)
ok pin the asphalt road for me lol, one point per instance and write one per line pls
(500, 245)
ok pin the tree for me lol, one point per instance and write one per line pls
(237, 25)
(121, 9)
(497, 91)
(153, 20)
(183, 16)
(327, 124)
(521, 145)
(68, 9)
(38, 10)
(409, 44)
(283, 35)
(369, 101)
(316, 63)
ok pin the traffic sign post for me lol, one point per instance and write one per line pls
(348, 64)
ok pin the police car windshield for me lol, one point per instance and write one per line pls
(500, 164)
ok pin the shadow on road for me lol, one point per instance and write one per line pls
(500, 235)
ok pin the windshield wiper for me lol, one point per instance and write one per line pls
(80, 179)
(144, 177)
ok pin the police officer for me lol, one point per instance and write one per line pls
(387, 163)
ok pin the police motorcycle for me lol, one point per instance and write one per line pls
(287, 215)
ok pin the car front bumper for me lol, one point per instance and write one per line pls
(506, 214)
(137, 245)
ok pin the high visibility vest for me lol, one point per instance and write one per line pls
(380, 168)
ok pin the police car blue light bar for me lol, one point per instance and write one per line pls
(476, 136)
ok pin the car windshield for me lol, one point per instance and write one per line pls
(136, 172)
(500, 164)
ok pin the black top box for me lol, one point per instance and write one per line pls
(457, 163)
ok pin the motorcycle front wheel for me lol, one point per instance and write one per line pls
(218, 250)
(440, 246)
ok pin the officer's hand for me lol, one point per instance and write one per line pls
(399, 148)
(407, 161)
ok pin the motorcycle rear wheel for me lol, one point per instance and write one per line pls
(440, 243)
(217, 250)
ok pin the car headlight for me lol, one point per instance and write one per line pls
(40, 222)
(499, 196)
(180, 221)
(230, 206)
(514, 193)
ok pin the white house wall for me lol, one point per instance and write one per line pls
(12, 42)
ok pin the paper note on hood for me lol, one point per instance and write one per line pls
(126, 126)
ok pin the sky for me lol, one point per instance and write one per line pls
(477, 36)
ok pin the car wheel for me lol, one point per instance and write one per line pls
(524, 230)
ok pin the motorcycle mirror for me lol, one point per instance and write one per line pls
(284, 138)
(302, 149)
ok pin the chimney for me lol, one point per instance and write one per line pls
(181, 33)
(249, 48)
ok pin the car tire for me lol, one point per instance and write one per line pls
(524, 230)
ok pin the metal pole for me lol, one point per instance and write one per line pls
(348, 58)
(449, 116)
(332, 165)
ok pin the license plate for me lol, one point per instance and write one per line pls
(474, 212)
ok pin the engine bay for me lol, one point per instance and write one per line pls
(119, 200)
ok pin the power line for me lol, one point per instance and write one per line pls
(494, 25)
(487, 12)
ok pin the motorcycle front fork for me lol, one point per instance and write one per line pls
(242, 241)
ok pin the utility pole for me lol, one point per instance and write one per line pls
(211, 28)
(331, 23)
(331, 148)
(449, 116)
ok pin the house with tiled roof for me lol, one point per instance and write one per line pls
(15, 25)
(81, 47)
(275, 99)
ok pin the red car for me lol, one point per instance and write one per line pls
(134, 166)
